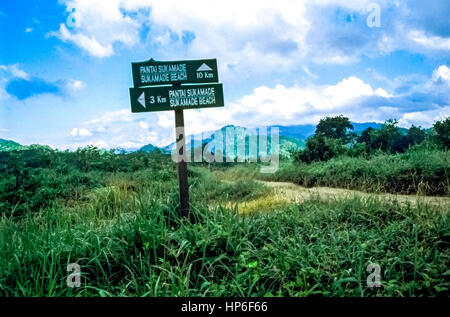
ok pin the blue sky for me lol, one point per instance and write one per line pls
(65, 66)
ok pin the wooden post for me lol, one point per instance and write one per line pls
(182, 165)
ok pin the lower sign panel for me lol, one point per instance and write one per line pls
(178, 97)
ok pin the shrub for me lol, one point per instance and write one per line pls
(320, 148)
(442, 132)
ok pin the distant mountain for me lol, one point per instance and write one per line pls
(300, 132)
(151, 148)
(8, 145)
(193, 142)
(147, 148)
(294, 133)
(360, 127)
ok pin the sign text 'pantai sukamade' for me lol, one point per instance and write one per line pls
(176, 85)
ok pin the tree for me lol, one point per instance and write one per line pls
(401, 144)
(335, 128)
(415, 135)
(365, 136)
(320, 148)
(442, 132)
(385, 138)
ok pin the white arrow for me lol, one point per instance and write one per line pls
(141, 99)
(204, 68)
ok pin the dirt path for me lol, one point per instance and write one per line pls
(293, 192)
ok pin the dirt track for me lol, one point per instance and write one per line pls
(293, 192)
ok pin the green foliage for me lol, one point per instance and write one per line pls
(334, 128)
(116, 215)
(390, 138)
(385, 138)
(35, 177)
(7, 145)
(421, 169)
(415, 135)
(331, 136)
(211, 189)
(320, 148)
(442, 132)
(133, 244)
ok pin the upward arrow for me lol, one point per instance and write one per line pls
(141, 99)
(204, 67)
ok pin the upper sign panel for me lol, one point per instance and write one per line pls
(152, 73)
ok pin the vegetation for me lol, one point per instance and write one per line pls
(333, 137)
(378, 160)
(116, 215)
(124, 231)
(6, 145)
(422, 169)
(442, 132)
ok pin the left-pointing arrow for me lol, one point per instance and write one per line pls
(141, 99)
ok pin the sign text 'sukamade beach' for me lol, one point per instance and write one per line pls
(160, 86)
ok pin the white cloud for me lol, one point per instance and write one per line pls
(165, 121)
(90, 44)
(28, 30)
(118, 129)
(424, 118)
(98, 26)
(382, 93)
(278, 105)
(243, 35)
(429, 42)
(73, 86)
(15, 71)
(82, 132)
(238, 32)
(143, 125)
(112, 117)
(442, 73)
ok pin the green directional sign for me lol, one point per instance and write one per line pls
(176, 85)
(162, 98)
(152, 73)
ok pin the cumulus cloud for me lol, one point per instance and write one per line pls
(422, 104)
(96, 25)
(115, 129)
(274, 33)
(442, 74)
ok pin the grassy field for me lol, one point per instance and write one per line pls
(124, 232)
(420, 170)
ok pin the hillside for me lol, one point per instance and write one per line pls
(290, 137)
(8, 145)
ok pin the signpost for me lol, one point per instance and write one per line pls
(146, 98)
(152, 73)
(176, 97)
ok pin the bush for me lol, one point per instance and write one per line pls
(421, 169)
(442, 132)
(320, 148)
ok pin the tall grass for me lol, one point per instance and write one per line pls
(129, 241)
(419, 170)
